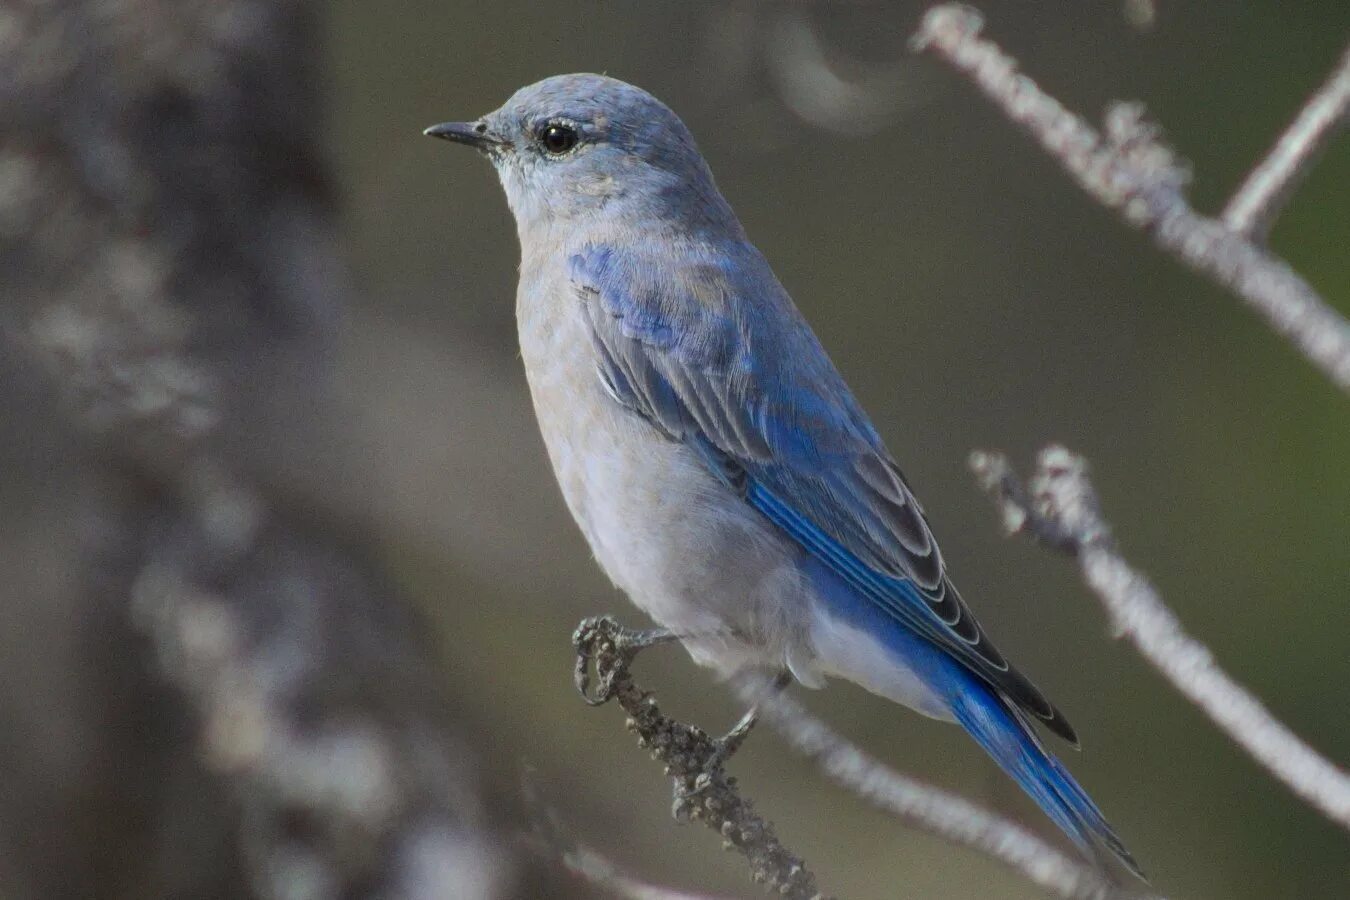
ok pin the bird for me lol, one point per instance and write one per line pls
(723, 474)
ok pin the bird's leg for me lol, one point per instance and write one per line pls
(696, 761)
(729, 743)
(726, 746)
(612, 648)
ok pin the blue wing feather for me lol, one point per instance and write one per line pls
(708, 347)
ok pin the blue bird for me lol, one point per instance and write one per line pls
(721, 470)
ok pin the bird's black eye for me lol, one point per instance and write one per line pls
(558, 138)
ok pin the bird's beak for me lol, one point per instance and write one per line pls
(475, 134)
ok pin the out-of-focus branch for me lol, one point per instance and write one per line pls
(170, 276)
(703, 790)
(862, 100)
(1062, 510)
(924, 806)
(554, 840)
(1254, 207)
(601, 872)
(1132, 172)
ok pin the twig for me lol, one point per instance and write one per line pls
(1063, 511)
(703, 790)
(924, 806)
(556, 842)
(1130, 171)
(1269, 186)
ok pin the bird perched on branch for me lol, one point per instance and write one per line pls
(724, 475)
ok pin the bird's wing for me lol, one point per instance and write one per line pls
(707, 346)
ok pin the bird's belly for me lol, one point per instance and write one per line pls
(682, 545)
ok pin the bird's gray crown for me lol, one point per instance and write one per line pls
(607, 111)
(570, 144)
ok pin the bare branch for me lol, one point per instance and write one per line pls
(924, 806)
(1256, 204)
(1063, 510)
(1130, 171)
(703, 790)
(555, 841)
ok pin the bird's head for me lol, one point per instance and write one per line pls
(572, 145)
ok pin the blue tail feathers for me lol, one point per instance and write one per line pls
(996, 723)
(1008, 737)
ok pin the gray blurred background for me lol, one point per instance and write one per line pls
(973, 298)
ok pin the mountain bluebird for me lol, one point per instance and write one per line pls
(724, 475)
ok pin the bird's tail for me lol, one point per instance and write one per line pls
(1006, 736)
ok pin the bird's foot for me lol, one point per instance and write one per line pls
(713, 768)
(702, 784)
(726, 746)
(601, 642)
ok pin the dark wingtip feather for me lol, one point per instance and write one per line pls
(1025, 696)
(1060, 726)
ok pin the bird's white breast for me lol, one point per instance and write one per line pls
(687, 550)
(681, 544)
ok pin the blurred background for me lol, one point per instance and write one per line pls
(974, 299)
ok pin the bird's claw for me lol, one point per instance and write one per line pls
(611, 647)
(688, 792)
(724, 748)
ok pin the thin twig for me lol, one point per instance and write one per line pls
(1269, 186)
(924, 806)
(553, 839)
(1063, 511)
(1132, 172)
(703, 790)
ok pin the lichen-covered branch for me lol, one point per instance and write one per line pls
(703, 790)
(1129, 170)
(927, 807)
(1062, 510)
(1254, 206)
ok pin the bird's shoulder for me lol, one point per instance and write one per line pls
(715, 303)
